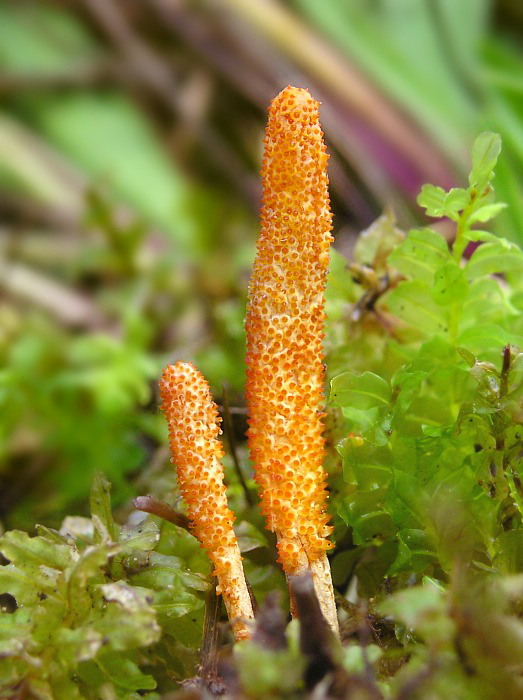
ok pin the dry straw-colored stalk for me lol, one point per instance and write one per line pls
(284, 326)
(194, 427)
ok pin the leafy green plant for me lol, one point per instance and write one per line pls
(94, 603)
(432, 419)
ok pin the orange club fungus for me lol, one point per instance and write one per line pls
(194, 427)
(284, 327)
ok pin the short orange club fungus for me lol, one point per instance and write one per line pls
(194, 427)
(284, 325)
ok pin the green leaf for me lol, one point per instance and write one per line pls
(35, 571)
(439, 203)
(52, 535)
(488, 338)
(509, 552)
(166, 572)
(432, 199)
(364, 464)
(342, 565)
(171, 604)
(77, 645)
(60, 686)
(363, 391)
(415, 552)
(408, 385)
(485, 153)
(456, 200)
(29, 553)
(412, 302)
(371, 569)
(129, 620)
(450, 284)
(366, 422)
(100, 504)
(468, 356)
(364, 511)
(125, 674)
(487, 302)
(487, 212)
(407, 501)
(12, 668)
(475, 236)
(143, 536)
(495, 257)
(86, 568)
(515, 380)
(420, 255)
(25, 587)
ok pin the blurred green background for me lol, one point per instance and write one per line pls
(130, 144)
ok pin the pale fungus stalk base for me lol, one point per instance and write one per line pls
(233, 587)
(322, 579)
(284, 328)
(194, 427)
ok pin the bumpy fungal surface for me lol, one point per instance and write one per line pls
(194, 427)
(284, 325)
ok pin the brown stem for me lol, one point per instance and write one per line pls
(149, 504)
(209, 648)
(227, 424)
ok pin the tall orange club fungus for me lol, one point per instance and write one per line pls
(194, 427)
(284, 326)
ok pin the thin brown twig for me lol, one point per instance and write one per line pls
(94, 73)
(152, 505)
(69, 307)
(227, 424)
(209, 649)
(22, 211)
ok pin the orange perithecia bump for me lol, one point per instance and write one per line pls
(284, 326)
(194, 427)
